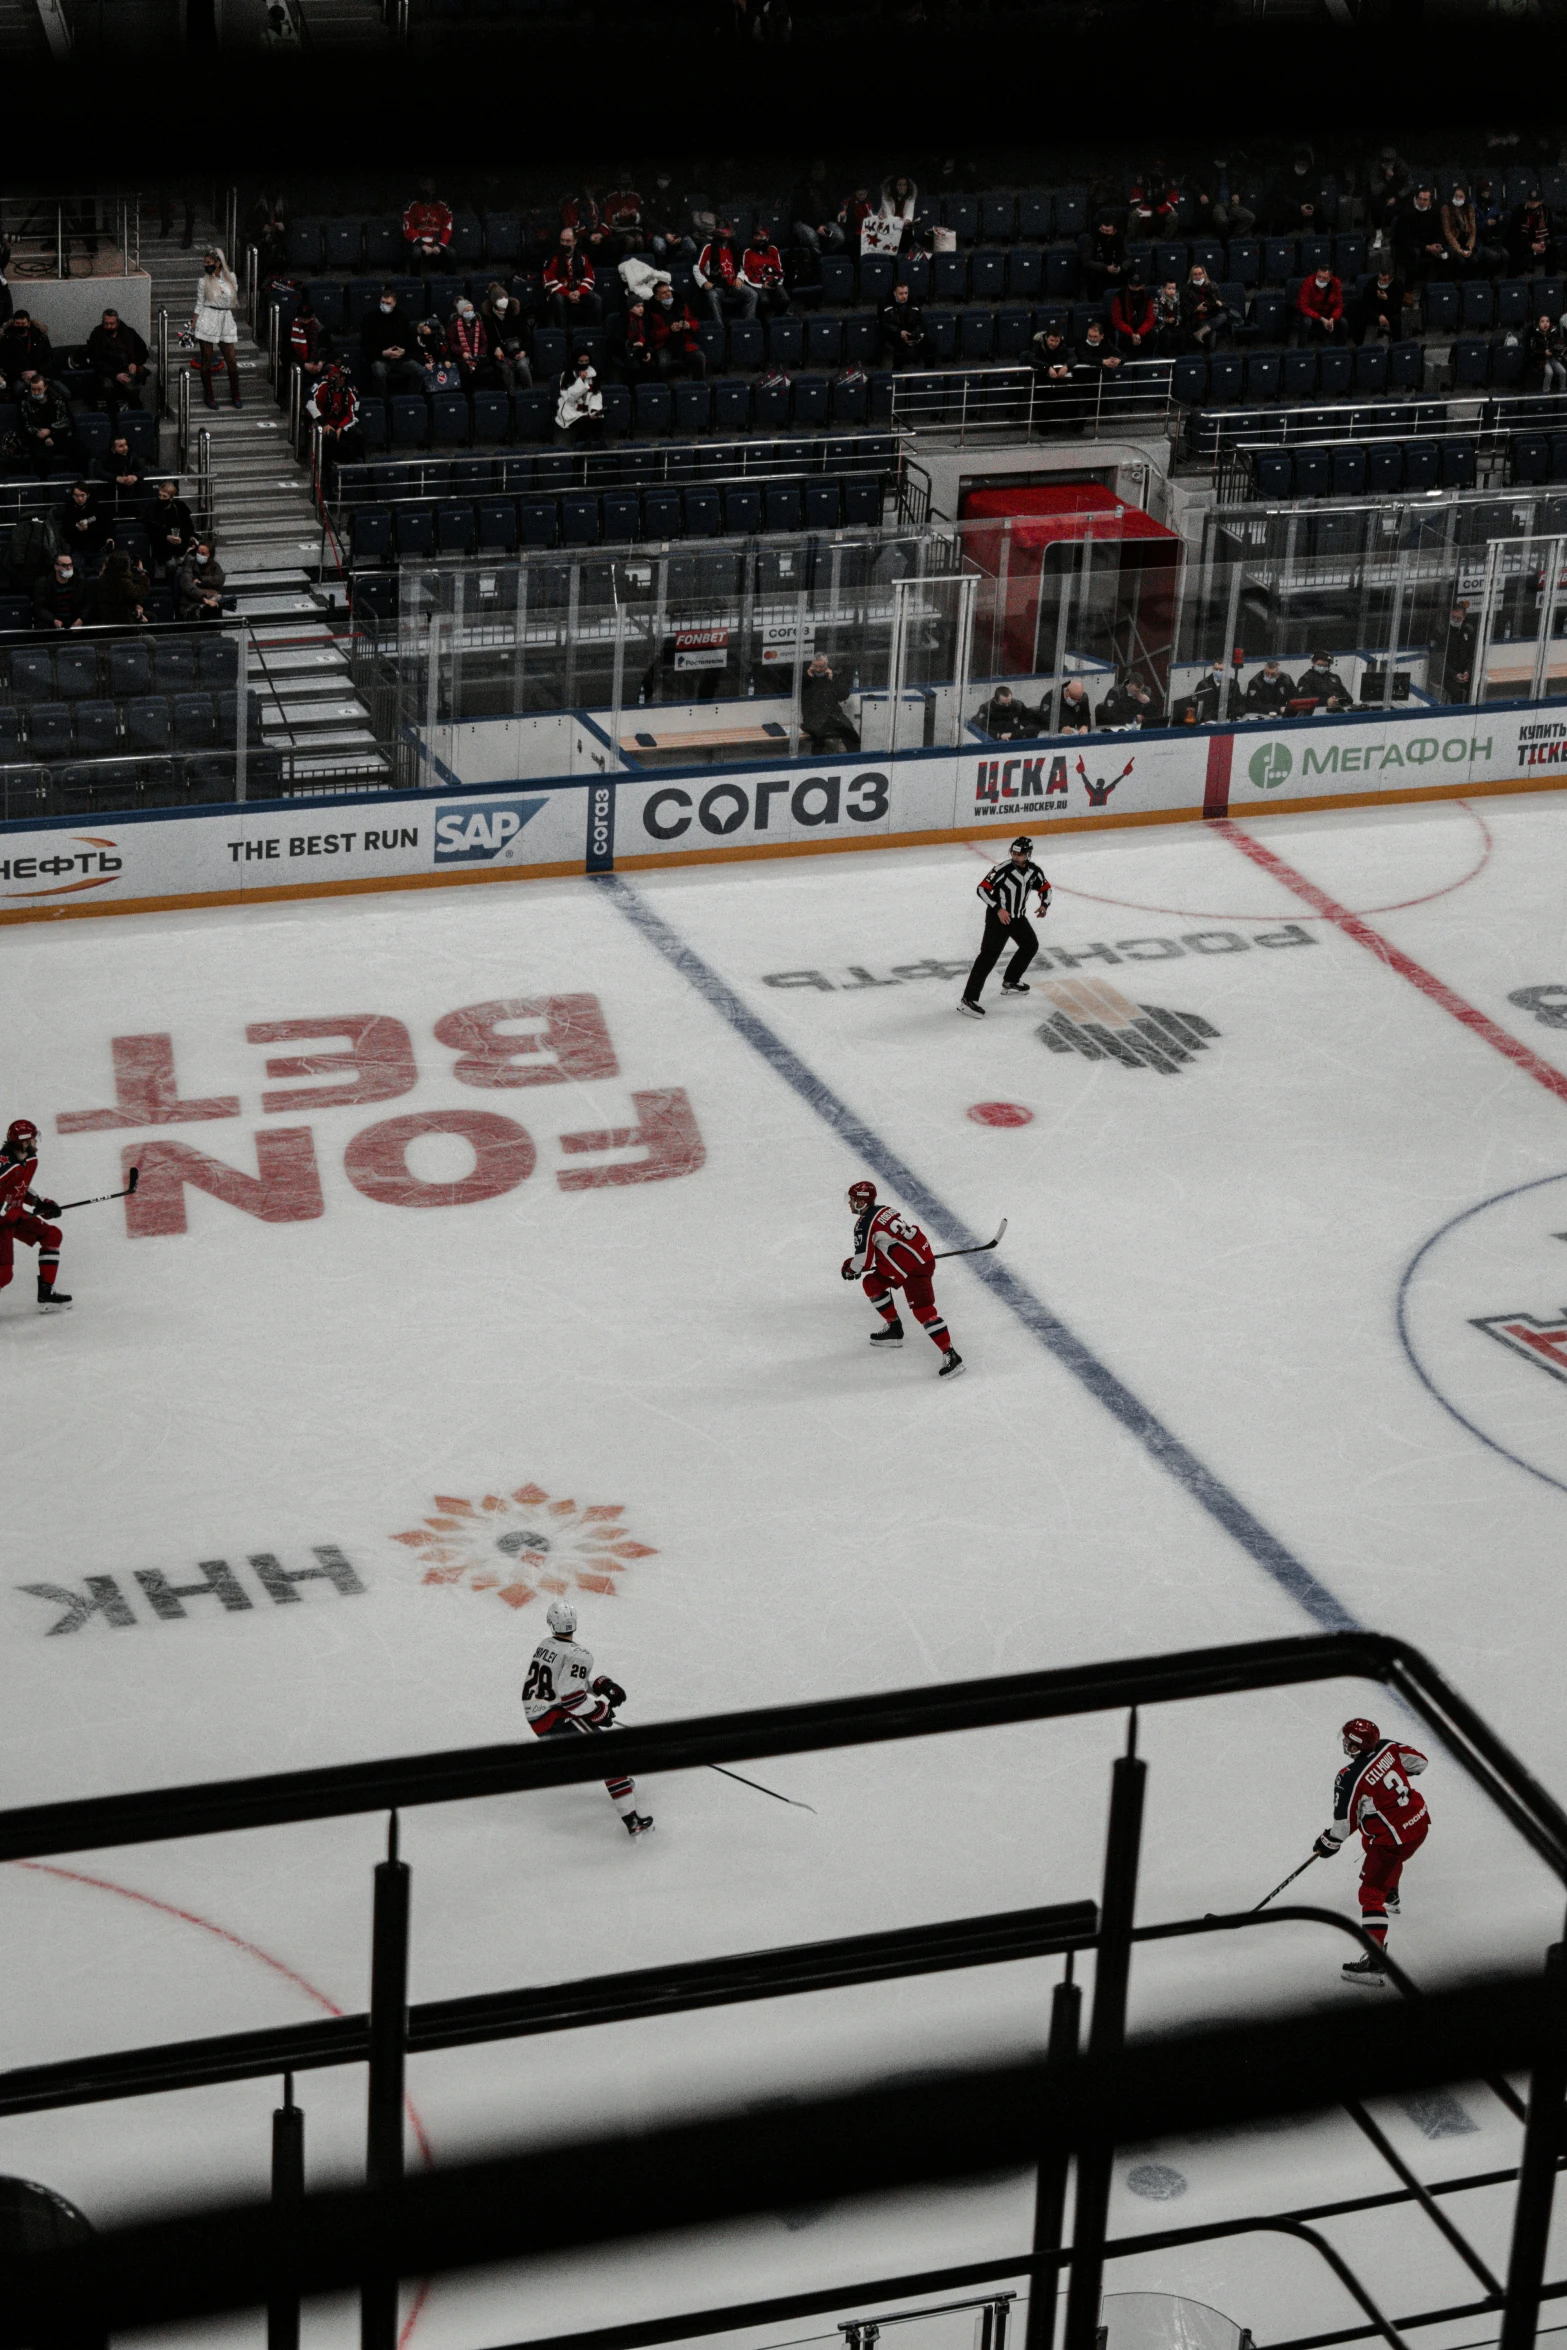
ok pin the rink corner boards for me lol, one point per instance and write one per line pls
(501, 827)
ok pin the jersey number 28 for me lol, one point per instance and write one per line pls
(540, 1681)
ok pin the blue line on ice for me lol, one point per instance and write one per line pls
(1207, 1490)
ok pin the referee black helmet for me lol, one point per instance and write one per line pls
(1022, 844)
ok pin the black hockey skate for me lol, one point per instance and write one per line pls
(638, 1823)
(1370, 1971)
(974, 1011)
(1015, 987)
(52, 1301)
(952, 1368)
(891, 1335)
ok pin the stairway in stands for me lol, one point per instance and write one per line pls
(269, 544)
(22, 36)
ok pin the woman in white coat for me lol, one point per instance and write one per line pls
(213, 324)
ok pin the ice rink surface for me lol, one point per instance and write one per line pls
(544, 1294)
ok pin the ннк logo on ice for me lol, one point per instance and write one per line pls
(480, 830)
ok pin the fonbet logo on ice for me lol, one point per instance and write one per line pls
(1482, 1315)
(522, 1543)
(480, 830)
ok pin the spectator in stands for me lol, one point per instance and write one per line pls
(168, 199)
(813, 224)
(1299, 202)
(667, 234)
(387, 345)
(118, 357)
(718, 271)
(201, 584)
(1269, 694)
(267, 228)
(642, 277)
(1132, 321)
(1491, 221)
(1379, 310)
(44, 421)
(1387, 191)
(1419, 247)
(1096, 358)
(468, 344)
(1547, 355)
(899, 200)
(118, 595)
(579, 404)
(1169, 324)
(622, 215)
(435, 370)
(902, 324)
(24, 343)
(1323, 684)
(676, 335)
(119, 483)
(1004, 718)
(427, 231)
(1457, 658)
(1211, 697)
(1077, 716)
(334, 405)
(853, 213)
(636, 351)
(503, 323)
(1101, 257)
(823, 716)
(1461, 236)
(762, 270)
(81, 522)
(60, 594)
(1319, 308)
(29, 550)
(307, 342)
(217, 292)
(1128, 703)
(1058, 395)
(167, 521)
(569, 280)
(1530, 238)
(1216, 210)
(1205, 317)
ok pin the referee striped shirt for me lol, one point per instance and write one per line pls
(1006, 886)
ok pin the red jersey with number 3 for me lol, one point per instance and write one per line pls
(1373, 1793)
(892, 1244)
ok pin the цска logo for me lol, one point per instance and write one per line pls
(1270, 765)
(480, 830)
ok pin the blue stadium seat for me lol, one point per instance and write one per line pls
(861, 503)
(1335, 373)
(1405, 367)
(977, 334)
(1458, 464)
(579, 519)
(147, 722)
(622, 516)
(1313, 473)
(661, 517)
(1298, 375)
(1275, 470)
(862, 340)
(75, 671)
(1025, 273)
(961, 215)
(502, 237)
(1014, 332)
(92, 431)
(97, 730)
(1530, 457)
(467, 245)
(326, 299)
(174, 665)
(1035, 208)
(1371, 367)
(1243, 260)
(823, 505)
(987, 276)
(782, 505)
(654, 407)
(1477, 305)
(538, 522)
(1168, 260)
(1422, 464)
(824, 341)
(1071, 211)
(1140, 252)
(129, 668)
(1559, 456)
(1440, 308)
(1349, 255)
(303, 245)
(1513, 299)
(998, 218)
(1348, 468)
(949, 277)
(1189, 381)
(49, 730)
(770, 404)
(491, 416)
(1471, 360)
(941, 331)
(1278, 260)
(837, 279)
(140, 428)
(217, 659)
(693, 407)
(1384, 467)
(850, 399)
(704, 514)
(549, 351)
(195, 722)
(1264, 372)
(373, 423)
(413, 529)
(383, 246)
(747, 342)
(1314, 253)
(440, 297)
(1509, 357)
(495, 522)
(731, 406)
(448, 419)
(10, 733)
(810, 401)
(532, 414)
(410, 420)
(1062, 276)
(786, 342)
(878, 272)
(1226, 377)
(16, 613)
(455, 528)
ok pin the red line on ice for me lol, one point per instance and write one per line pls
(1468, 1015)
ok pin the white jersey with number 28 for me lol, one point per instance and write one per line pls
(558, 1683)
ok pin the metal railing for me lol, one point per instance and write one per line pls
(1215, 433)
(45, 228)
(962, 404)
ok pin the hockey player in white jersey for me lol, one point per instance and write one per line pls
(562, 1695)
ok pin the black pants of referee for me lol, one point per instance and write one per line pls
(1019, 934)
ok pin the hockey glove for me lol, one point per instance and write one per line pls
(1325, 1848)
(605, 1687)
(848, 1271)
(47, 1207)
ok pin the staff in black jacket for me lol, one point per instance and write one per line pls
(1004, 893)
(1270, 692)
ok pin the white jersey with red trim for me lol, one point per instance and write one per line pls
(558, 1690)
(1372, 1793)
(890, 1243)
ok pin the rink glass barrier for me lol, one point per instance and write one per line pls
(1076, 2103)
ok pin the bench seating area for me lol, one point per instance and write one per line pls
(120, 786)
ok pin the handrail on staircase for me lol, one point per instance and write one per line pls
(204, 476)
(163, 363)
(182, 422)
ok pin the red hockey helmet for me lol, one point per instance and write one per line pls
(21, 1139)
(1359, 1734)
(862, 1195)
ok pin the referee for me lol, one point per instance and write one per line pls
(1004, 892)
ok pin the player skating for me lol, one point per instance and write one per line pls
(891, 1253)
(18, 1166)
(1372, 1793)
(1004, 893)
(561, 1695)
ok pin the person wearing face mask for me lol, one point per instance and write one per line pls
(1461, 236)
(675, 335)
(1204, 316)
(468, 341)
(386, 345)
(1319, 309)
(579, 405)
(60, 595)
(217, 292)
(1324, 684)
(502, 316)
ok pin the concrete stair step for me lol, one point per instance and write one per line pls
(254, 527)
(302, 689)
(312, 714)
(291, 632)
(302, 664)
(255, 557)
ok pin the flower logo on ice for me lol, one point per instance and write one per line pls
(522, 1543)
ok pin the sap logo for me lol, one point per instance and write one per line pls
(480, 830)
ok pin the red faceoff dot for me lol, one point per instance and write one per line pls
(1001, 1114)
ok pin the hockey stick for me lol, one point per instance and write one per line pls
(761, 1790)
(1289, 1880)
(99, 1196)
(977, 1251)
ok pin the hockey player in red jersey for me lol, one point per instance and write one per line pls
(562, 1695)
(1372, 1793)
(891, 1253)
(18, 1167)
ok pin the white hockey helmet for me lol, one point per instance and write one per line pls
(562, 1618)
